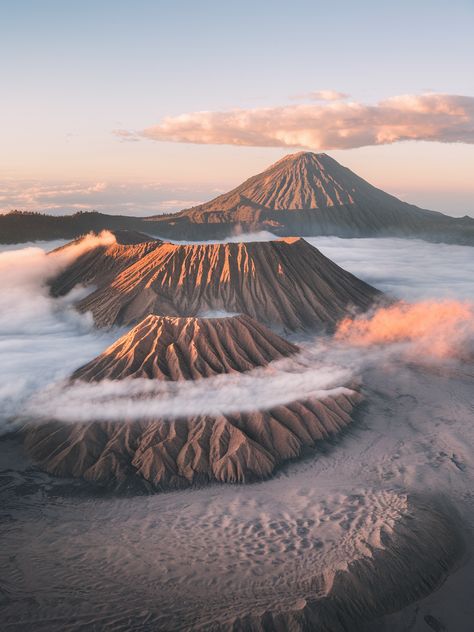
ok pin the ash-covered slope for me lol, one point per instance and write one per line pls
(101, 264)
(168, 348)
(312, 194)
(286, 284)
(173, 452)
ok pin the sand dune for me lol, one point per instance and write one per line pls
(289, 556)
(285, 284)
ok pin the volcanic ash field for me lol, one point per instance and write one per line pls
(269, 435)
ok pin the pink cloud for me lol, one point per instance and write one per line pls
(334, 124)
(133, 198)
(323, 95)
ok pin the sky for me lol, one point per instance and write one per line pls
(101, 99)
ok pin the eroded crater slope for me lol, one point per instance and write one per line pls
(175, 452)
(287, 284)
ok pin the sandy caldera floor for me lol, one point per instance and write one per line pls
(200, 558)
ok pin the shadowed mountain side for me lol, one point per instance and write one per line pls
(170, 453)
(286, 284)
(170, 348)
(177, 452)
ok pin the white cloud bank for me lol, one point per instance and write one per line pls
(408, 269)
(130, 198)
(330, 123)
(283, 382)
(42, 340)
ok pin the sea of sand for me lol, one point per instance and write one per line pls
(77, 559)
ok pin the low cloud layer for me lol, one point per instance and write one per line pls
(330, 124)
(131, 198)
(408, 269)
(43, 340)
(279, 384)
(428, 329)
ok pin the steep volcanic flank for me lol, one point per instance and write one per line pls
(102, 264)
(168, 348)
(175, 452)
(297, 181)
(312, 194)
(286, 284)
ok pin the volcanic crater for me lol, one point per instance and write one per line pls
(174, 452)
(286, 284)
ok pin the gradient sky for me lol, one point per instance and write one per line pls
(72, 72)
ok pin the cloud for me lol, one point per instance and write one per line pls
(430, 329)
(408, 269)
(41, 339)
(278, 384)
(124, 135)
(333, 124)
(45, 194)
(261, 235)
(132, 198)
(323, 95)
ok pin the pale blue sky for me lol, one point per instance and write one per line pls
(73, 71)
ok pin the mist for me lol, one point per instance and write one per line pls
(409, 269)
(43, 340)
(282, 382)
(430, 329)
(261, 235)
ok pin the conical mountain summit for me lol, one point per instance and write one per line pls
(307, 193)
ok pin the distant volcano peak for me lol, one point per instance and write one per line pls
(301, 156)
(304, 180)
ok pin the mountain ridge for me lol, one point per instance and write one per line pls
(286, 284)
(303, 194)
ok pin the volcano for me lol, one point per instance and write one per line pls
(156, 347)
(101, 264)
(287, 284)
(312, 194)
(175, 452)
